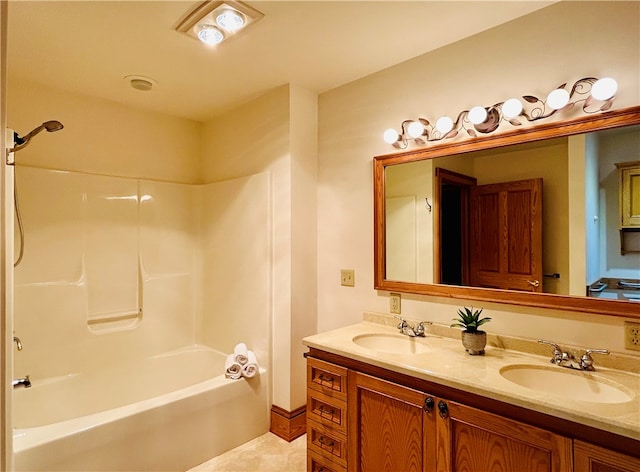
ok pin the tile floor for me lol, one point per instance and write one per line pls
(266, 453)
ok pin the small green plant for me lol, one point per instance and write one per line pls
(470, 320)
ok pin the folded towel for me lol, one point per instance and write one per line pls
(240, 353)
(232, 370)
(251, 368)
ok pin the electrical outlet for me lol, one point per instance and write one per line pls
(394, 303)
(348, 277)
(632, 335)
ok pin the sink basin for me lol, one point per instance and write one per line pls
(573, 385)
(391, 343)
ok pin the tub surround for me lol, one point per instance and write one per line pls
(445, 362)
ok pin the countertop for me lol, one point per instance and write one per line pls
(444, 361)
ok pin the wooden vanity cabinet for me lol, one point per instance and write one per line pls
(590, 458)
(472, 440)
(365, 418)
(389, 427)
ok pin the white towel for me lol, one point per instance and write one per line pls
(251, 368)
(240, 353)
(232, 370)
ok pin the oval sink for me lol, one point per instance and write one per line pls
(573, 385)
(390, 343)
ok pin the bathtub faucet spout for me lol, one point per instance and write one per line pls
(24, 382)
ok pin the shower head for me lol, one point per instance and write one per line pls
(50, 126)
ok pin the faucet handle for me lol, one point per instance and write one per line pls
(586, 361)
(403, 322)
(420, 329)
(558, 355)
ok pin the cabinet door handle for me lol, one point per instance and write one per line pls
(443, 409)
(429, 403)
(534, 283)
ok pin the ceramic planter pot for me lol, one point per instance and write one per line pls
(474, 343)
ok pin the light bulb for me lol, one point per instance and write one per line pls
(390, 136)
(209, 34)
(512, 108)
(230, 20)
(444, 124)
(477, 115)
(558, 99)
(415, 129)
(604, 89)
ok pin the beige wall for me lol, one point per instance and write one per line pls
(531, 55)
(103, 137)
(276, 134)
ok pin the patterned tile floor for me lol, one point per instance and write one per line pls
(266, 453)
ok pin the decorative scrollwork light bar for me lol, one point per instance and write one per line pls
(596, 95)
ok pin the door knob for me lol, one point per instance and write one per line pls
(534, 283)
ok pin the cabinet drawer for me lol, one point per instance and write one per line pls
(327, 411)
(317, 463)
(327, 378)
(327, 442)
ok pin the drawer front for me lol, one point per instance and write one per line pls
(317, 463)
(327, 411)
(327, 442)
(327, 378)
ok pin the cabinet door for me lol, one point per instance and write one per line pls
(471, 440)
(590, 458)
(389, 428)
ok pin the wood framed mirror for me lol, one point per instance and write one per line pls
(398, 169)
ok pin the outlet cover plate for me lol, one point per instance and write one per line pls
(632, 335)
(394, 303)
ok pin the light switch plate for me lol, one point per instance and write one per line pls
(348, 277)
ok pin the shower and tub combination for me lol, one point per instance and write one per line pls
(130, 376)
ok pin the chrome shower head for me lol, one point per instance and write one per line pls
(50, 126)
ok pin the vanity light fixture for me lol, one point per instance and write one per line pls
(212, 22)
(596, 95)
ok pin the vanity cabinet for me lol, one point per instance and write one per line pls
(590, 458)
(470, 440)
(389, 427)
(361, 417)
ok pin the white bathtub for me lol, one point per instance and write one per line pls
(169, 412)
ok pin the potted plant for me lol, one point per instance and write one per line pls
(473, 339)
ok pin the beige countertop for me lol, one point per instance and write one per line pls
(443, 360)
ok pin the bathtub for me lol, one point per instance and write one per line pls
(168, 412)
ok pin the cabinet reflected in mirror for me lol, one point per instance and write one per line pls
(474, 224)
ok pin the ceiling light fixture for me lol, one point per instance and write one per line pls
(215, 21)
(596, 95)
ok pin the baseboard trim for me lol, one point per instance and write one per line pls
(288, 425)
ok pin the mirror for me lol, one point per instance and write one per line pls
(427, 236)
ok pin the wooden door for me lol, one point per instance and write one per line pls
(389, 429)
(507, 235)
(471, 440)
(590, 458)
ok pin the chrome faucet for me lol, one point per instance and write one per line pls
(566, 359)
(16, 340)
(406, 328)
(586, 361)
(23, 382)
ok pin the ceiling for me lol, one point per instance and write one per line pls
(88, 47)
